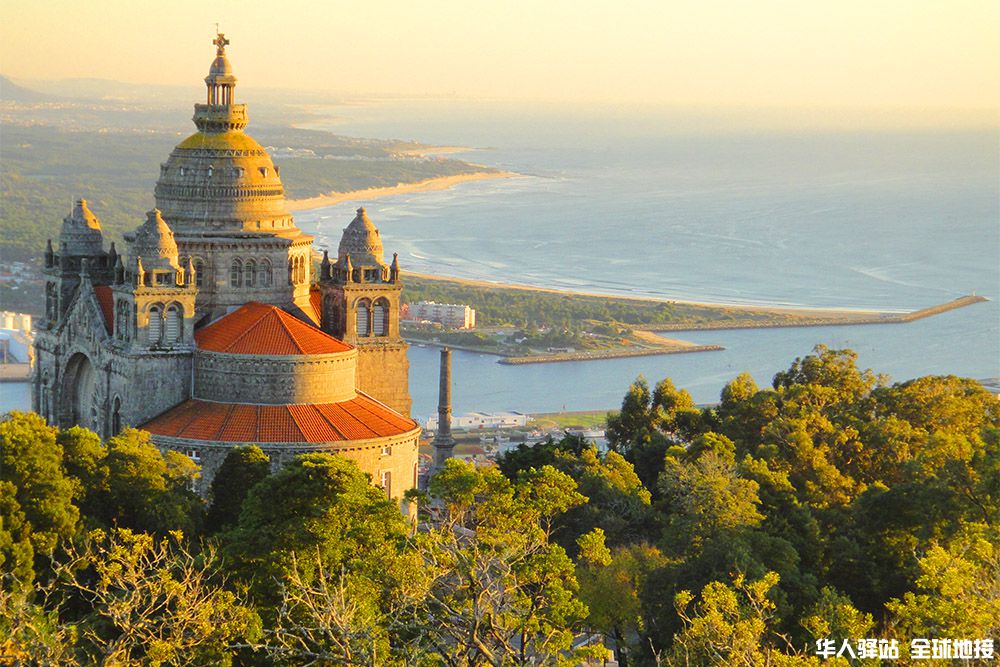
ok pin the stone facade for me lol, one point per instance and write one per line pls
(134, 339)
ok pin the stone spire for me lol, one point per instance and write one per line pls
(394, 268)
(324, 266)
(443, 443)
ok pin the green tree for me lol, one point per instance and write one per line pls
(241, 470)
(958, 590)
(318, 508)
(154, 602)
(706, 499)
(38, 503)
(137, 487)
(498, 591)
(611, 591)
(731, 625)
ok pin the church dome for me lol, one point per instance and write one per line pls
(362, 241)
(81, 232)
(154, 243)
(220, 67)
(219, 179)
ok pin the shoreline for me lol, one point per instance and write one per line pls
(368, 194)
(789, 310)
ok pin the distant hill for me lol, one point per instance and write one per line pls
(12, 92)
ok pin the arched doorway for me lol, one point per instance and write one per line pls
(79, 404)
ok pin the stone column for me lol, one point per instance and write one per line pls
(443, 443)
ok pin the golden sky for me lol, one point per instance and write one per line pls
(786, 53)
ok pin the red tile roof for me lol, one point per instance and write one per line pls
(361, 418)
(315, 306)
(258, 328)
(104, 300)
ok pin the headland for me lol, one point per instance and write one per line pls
(524, 324)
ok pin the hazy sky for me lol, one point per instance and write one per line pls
(902, 53)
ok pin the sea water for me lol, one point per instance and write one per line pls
(891, 220)
(652, 204)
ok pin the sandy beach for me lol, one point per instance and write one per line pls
(427, 185)
(846, 313)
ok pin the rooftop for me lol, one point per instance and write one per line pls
(263, 329)
(361, 418)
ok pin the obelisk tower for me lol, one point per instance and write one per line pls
(443, 442)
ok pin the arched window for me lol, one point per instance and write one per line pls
(250, 273)
(43, 403)
(121, 320)
(172, 329)
(116, 416)
(264, 273)
(199, 273)
(380, 318)
(291, 268)
(155, 329)
(303, 269)
(50, 302)
(236, 273)
(364, 318)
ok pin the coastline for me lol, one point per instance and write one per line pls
(426, 185)
(846, 313)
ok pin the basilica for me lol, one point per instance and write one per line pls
(209, 330)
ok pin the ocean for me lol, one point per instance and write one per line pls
(660, 204)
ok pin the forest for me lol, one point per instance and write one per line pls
(827, 519)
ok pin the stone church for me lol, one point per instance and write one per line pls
(208, 329)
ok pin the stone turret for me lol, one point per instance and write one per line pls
(361, 304)
(443, 443)
(362, 241)
(154, 242)
(81, 234)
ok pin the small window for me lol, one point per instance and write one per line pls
(236, 274)
(172, 328)
(155, 330)
(264, 274)
(199, 273)
(387, 451)
(250, 273)
(387, 482)
(364, 312)
(211, 170)
(193, 455)
(183, 171)
(263, 171)
(380, 318)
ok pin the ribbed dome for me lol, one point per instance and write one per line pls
(154, 243)
(220, 67)
(362, 241)
(222, 181)
(81, 231)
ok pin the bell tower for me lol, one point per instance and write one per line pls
(361, 298)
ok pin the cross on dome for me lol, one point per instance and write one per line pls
(220, 44)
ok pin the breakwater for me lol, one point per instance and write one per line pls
(606, 354)
(842, 318)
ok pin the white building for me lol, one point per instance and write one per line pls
(15, 321)
(451, 315)
(482, 420)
